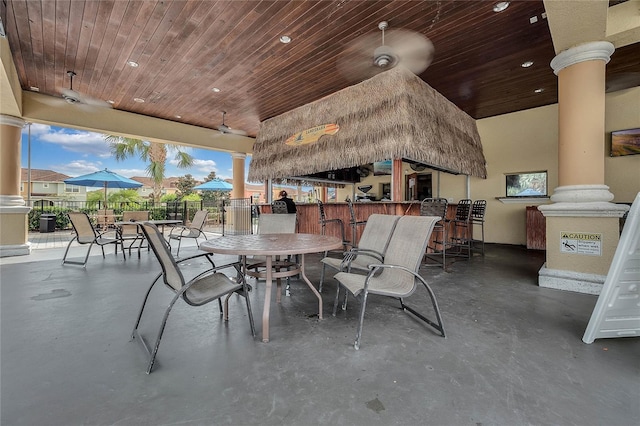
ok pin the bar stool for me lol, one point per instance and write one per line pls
(436, 207)
(461, 234)
(354, 224)
(324, 221)
(478, 210)
(279, 207)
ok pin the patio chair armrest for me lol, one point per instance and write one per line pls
(374, 268)
(368, 252)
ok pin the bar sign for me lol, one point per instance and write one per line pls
(581, 243)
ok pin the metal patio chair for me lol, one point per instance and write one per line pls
(132, 232)
(85, 233)
(373, 245)
(194, 231)
(398, 275)
(354, 223)
(279, 207)
(276, 224)
(205, 287)
(436, 207)
(324, 221)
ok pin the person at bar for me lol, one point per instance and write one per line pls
(291, 205)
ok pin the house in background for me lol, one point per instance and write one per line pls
(169, 186)
(48, 187)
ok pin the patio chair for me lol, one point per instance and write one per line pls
(105, 219)
(436, 207)
(373, 245)
(132, 232)
(205, 287)
(85, 233)
(276, 224)
(194, 231)
(398, 275)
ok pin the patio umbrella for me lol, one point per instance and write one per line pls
(215, 185)
(105, 179)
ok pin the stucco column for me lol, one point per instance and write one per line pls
(239, 210)
(582, 225)
(238, 174)
(13, 211)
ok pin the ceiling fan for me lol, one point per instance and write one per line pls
(370, 54)
(224, 129)
(74, 97)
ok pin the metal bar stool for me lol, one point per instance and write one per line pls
(478, 210)
(461, 235)
(354, 224)
(324, 221)
(436, 207)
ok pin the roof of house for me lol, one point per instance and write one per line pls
(40, 175)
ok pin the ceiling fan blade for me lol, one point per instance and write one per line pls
(410, 49)
(414, 51)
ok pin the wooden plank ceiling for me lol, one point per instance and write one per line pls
(186, 48)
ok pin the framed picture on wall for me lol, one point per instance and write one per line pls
(625, 142)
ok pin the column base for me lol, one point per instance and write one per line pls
(577, 282)
(15, 250)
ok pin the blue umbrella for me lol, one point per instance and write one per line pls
(105, 179)
(215, 185)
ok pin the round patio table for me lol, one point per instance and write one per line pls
(270, 245)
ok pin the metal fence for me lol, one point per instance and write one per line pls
(226, 217)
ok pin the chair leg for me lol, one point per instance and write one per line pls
(64, 258)
(356, 344)
(220, 306)
(335, 302)
(322, 275)
(144, 302)
(160, 332)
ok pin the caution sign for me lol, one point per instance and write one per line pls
(581, 243)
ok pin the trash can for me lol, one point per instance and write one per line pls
(47, 222)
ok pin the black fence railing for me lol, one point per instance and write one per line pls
(227, 217)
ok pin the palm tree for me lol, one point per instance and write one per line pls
(154, 153)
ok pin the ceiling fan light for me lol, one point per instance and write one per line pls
(70, 99)
(384, 57)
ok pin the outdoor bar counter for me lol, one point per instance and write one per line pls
(309, 214)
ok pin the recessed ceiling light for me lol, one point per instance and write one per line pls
(499, 7)
(539, 90)
(133, 64)
(526, 64)
(178, 116)
(34, 89)
(285, 39)
(138, 100)
(215, 89)
(111, 102)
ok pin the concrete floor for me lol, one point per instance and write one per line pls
(513, 353)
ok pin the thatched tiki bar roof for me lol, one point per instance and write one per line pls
(391, 115)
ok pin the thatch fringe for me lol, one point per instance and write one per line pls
(392, 115)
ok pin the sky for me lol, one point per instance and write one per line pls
(76, 152)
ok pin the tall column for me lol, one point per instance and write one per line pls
(582, 225)
(239, 210)
(14, 215)
(238, 174)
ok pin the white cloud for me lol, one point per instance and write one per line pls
(130, 172)
(37, 129)
(78, 168)
(88, 143)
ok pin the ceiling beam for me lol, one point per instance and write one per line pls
(573, 23)
(37, 108)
